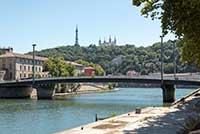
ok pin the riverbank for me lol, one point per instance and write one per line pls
(50, 116)
(86, 89)
(180, 118)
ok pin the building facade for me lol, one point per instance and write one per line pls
(20, 66)
(79, 68)
(89, 71)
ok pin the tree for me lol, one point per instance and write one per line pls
(180, 17)
(98, 69)
(57, 67)
(119, 59)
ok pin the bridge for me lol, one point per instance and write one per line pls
(167, 86)
(100, 79)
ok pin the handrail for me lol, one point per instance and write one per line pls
(185, 97)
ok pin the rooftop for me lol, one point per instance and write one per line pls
(89, 68)
(74, 63)
(17, 55)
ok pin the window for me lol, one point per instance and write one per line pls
(20, 75)
(20, 67)
(30, 75)
(4, 60)
(10, 66)
(3, 66)
(39, 69)
(24, 75)
(28, 68)
(24, 68)
(35, 69)
(17, 60)
(10, 75)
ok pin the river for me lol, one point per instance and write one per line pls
(25, 116)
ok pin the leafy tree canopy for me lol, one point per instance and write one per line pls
(98, 69)
(58, 67)
(120, 59)
(180, 17)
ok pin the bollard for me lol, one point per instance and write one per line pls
(96, 118)
(138, 110)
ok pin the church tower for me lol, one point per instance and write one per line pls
(99, 41)
(76, 37)
(110, 40)
(115, 41)
(104, 42)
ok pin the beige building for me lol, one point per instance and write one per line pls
(79, 68)
(19, 66)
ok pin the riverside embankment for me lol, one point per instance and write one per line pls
(181, 117)
(50, 116)
(86, 89)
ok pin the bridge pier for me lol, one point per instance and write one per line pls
(45, 92)
(168, 93)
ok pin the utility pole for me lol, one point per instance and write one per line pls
(33, 69)
(162, 67)
(174, 55)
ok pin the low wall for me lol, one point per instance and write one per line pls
(26, 92)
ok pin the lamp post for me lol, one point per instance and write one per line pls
(162, 67)
(174, 55)
(33, 69)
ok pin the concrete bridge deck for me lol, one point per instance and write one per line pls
(100, 79)
(9, 87)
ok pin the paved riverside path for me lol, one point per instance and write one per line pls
(152, 120)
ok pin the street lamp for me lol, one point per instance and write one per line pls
(162, 67)
(33, 69)
(174, 55)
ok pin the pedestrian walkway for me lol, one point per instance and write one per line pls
(152, 120)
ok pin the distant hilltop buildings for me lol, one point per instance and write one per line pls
(109, 42)
(104, 42)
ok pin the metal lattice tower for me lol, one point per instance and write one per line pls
(76, 36)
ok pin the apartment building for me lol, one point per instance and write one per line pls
(20, 66)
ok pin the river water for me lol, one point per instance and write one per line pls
(50, 116)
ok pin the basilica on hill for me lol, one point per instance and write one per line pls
(109, 42)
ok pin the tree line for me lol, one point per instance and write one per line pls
(120, 59)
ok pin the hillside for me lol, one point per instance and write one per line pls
(120, 59)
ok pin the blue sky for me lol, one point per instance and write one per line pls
(51, 23)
